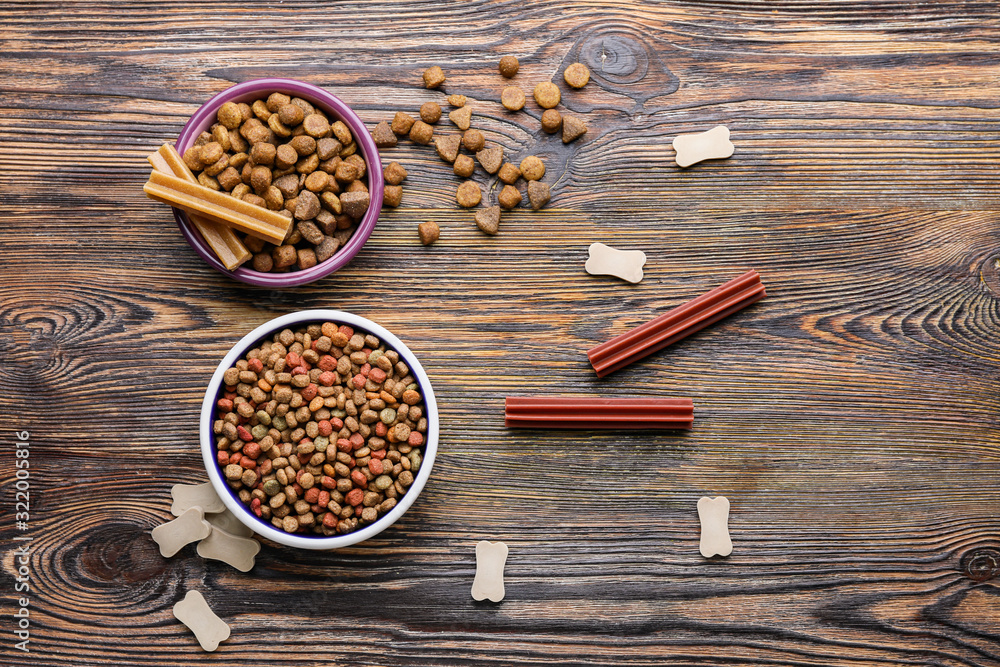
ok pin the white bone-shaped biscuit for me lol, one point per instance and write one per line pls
(187, 528)
(714, 516)
(490, 559)
(709, 145)
(195, 613)
(228, 522)
(187, 496)
(237, 551)
(607, 261)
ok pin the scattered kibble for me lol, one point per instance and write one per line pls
(402, 123)
(468, 194)
(490, 159)
(577, 75)
(551, 121)
(434, 77)
(430, 112)
(509, 197)
(429, 232)
(473, 140)
(512, 98)
(394, 173)
(447, 147)
(462, 118)
(392, 195)
(532, 168)
(421, 132)
(572, 129)
(383, 135)
(539, 194)
(508, 66)
(509, 173)
(547, 94)
(457, 100)
(488, 220)
(464, 166)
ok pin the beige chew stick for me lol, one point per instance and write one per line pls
(490, 560)
(713, 144)
(187, 528)
(187, 496)
(195, 613)
(714, 516)
(607, 261)
(228, 522)
(198, 199)
(221, 239)
(236, 551)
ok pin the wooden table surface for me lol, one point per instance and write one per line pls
(851, 417)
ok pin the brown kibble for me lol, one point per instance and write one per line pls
(573, 128)
(279, 128)
(288, 184)
(211, 152)
(273, 198)
(229, 115)
(457, 100)
(508, 66)
(346, 172)
(433, 77)
(260, 178)
(464, 166)
(394, 174)
(331, 202)
(509, 173)
(429, 232)
(349, 150)
(192, 158)
(308, 164)
(317, 181)
(221, 136)
(306, 107)
(303, 144)
(383, 136)
(284, 256)
(532, 168)
(421, 133)
(285, 156)
(430, 112)
(354, 204)
(547, 94)
(512, 98)
(538, 194)
(473, 140)
(358, 162)
(277, 100)
(342, 133)
(306, 206)
(229, 178)
(356, 186)
(577, 75)
(447, 147)
(305, 258)
(462, 118)
(310, 232)
(316, 126)
(551, 121)
(401, 123)
(260, 110)
(468, 194)
(327, 249)
(291, 114)
(218, 167)
(488, 220)
(509, 197)
(251, 198)
(328, 147)
(263, 262)
(263, 154)
(392, 195)
(491, 159)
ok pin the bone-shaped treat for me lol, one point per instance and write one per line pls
(187, 528)
(490, 559)
(195, 613)
(714, 516)
(237, 551)
(228, 522)
(607, 261)
(709, 145)
(187, 496)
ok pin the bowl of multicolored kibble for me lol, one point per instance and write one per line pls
(319, 429)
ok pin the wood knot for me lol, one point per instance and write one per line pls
(120, 553)
(991, 274)
(981, 564)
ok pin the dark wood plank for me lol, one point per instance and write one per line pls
(850, 417)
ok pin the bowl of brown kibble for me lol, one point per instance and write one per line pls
(319, 429)
(296, 150)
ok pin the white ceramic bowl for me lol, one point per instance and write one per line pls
(208, 450)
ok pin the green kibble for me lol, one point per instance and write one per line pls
(321, 442)
(258, 431)
(272, 487)
(412, 386)
(263, 418)
(339, 414)
(279, 423)
(383, 482)
(374, 356)
(387, 416)
(415, 460)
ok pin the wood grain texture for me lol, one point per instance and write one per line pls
(851, 417)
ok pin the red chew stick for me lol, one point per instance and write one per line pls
(598, 413)
(677, 324)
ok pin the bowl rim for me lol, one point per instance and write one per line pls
(208, 450)
(203, 118)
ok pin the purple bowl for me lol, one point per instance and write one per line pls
(248, 91)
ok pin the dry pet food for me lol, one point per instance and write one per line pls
(491, 159)
(187, 528)
(186, 496)
(231, 549)
(488, 220)
(532, 168)
(551, 121)
(447, 147)
(714, 516)
(320, 430)
(421, 133)
(392, 195)
(383, 136)
(577, 75)
(508, 66)
(462, 118)
(195, 613)
(468, 194)
(509, 173)
(491, 557)
(228, 522)
(429, 232)
(572, 129)
(464, 166)
(538, 194)
(402, 123)
(713, 144)
(607, 261)
(509, 197)
(473, 140)
(430, 112)
(394, 173)
(512, 98)
(457, 100)
(547, 94)
(433, 77)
